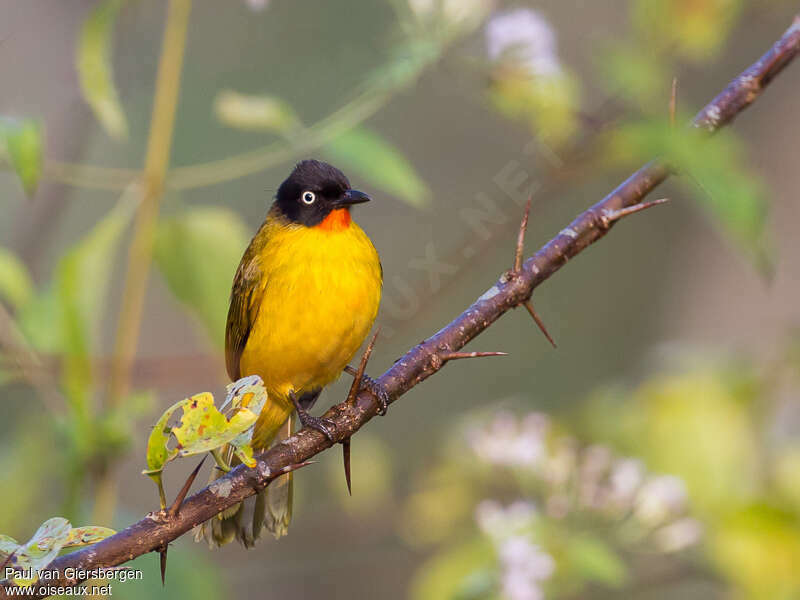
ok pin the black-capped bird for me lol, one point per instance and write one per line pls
(304, 297)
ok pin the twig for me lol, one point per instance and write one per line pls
(152, 532)
(673, 102)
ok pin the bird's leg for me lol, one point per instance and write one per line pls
(309, 420)
(372, 385)
(376, 388)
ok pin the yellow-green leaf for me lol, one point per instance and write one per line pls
(251, 397)
(204, 428)
(21, 146)
(262, 113)
(16, 286)
(39, 551)
(379, 163)
(87, 535)
(96, 71)
(158, 451)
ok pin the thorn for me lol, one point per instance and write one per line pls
(610, 216)
(163, 560)
(359, 374)
(176, 506)
(358, 377)
(673, 102)
(346, 460)
(296, 466)
(539, 322)
(523, 227)
(460, 355)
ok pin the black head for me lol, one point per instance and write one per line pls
(313, 190)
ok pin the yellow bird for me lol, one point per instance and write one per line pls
(304, 297)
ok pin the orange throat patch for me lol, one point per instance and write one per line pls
(337, 220)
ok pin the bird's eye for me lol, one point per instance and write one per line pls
(309, 197)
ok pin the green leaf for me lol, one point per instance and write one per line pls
(635, 75)
(263, 113)
(16, 286)
(591, 559)
(21, 145)
(95, 68)
(197, 251)
(448, 574)
(41, 322)
(81, 284)
(381, 164)
(716, 173)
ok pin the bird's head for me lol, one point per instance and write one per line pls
(317, 194)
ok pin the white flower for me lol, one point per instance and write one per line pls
(660, 498)
(504, 442)
(518, 587)
(527, 37)
(678, 535)
(498, 522)
(626, 476)
(524, 566)
(520, 554)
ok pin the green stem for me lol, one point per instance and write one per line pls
(141, 249)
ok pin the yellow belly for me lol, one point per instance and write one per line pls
(321, 296)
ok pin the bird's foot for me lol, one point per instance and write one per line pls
(377, 389)
(309, 420)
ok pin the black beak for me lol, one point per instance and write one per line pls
(351, 197)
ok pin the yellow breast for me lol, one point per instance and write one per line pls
(322, 288)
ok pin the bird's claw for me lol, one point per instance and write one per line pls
(318, 423)
(376, 388)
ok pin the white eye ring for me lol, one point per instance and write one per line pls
(308, 197)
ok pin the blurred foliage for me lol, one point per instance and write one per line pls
(96, 70)
(197, 251)
(518, 507)
(714, 425)
(16, 286)
(691, 29)
(714, 171)
(596, 516)
(21, 148)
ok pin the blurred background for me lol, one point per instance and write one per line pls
(654, 454)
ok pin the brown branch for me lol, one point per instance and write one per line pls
(425, 359)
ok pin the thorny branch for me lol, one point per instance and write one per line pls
(157, 529)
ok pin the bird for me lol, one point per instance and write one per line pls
(304, 297)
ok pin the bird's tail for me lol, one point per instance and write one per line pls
(269, 509)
